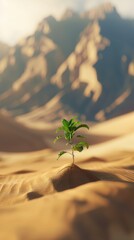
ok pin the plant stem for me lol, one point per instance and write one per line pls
(73, 155)
(71, 143)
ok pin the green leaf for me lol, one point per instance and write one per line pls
(73, 125)
(60, 154)
(65, 123)
(80, 146)
(80, 136)
(72, 121)
(76, 123)
(57, 138)
(68, 136)
(82, 126)
(84, 144)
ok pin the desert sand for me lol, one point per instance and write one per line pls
(45, 199)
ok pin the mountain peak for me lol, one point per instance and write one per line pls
(45, 24)
(69, 13)
(100, 11)
(49, 19)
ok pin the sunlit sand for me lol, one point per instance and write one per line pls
(41, 198)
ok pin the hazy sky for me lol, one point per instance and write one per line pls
(20, 17)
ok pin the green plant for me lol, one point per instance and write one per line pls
(69, 129)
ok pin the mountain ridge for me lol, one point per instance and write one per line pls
(75, 55)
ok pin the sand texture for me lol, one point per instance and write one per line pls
(45, 199)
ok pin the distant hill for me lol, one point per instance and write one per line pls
(4, 48)
(16, 138)
(83, 61)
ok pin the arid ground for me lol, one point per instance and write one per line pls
(45, 199)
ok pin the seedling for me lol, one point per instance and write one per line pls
(69, 130)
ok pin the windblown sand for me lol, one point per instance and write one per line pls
(45, 199)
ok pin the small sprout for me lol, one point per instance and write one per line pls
(69, 129)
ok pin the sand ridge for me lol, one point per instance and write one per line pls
(41, 198)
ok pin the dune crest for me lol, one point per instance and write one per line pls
(72, 176)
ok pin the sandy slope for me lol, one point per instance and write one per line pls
(14, 137)
(41, 198)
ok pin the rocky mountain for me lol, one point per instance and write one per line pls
(4, 48)
(82, 64)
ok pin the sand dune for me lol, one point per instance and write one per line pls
(100, 133)
(41, 198)
(117, 126)
(93, 211)
(14, 137)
